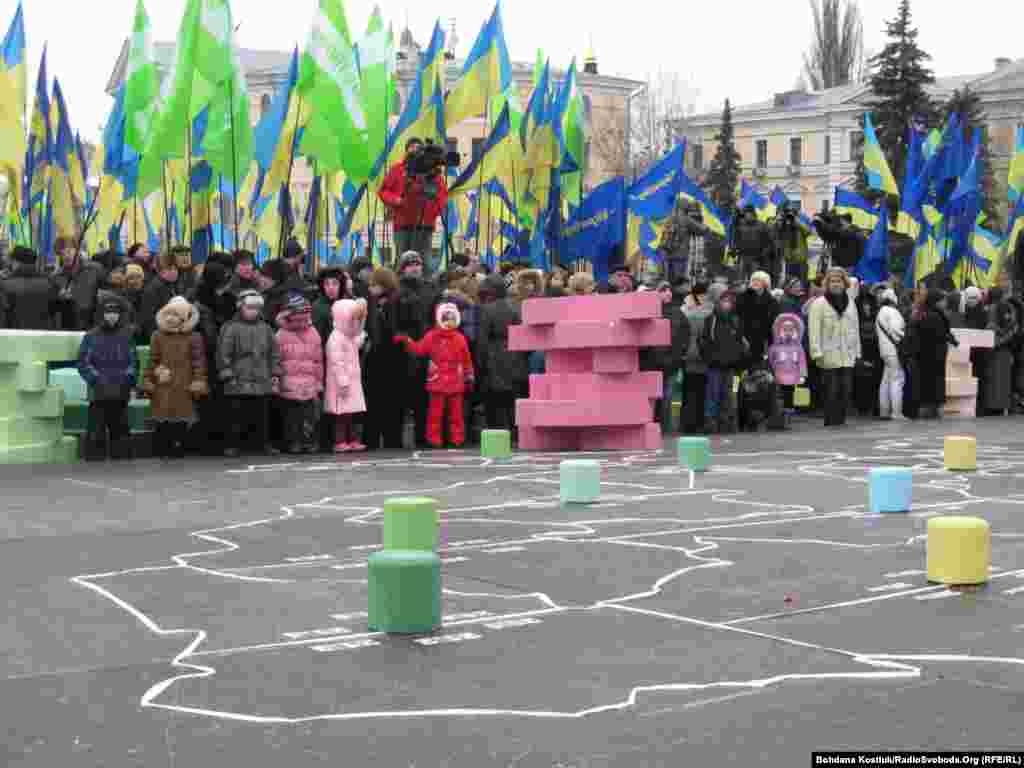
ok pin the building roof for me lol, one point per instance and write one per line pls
(274, 65)
(797, 103)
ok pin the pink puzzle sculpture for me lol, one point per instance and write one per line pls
(961, 386)
(593, 396)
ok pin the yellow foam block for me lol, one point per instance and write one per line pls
(961, 454)
(959, 550)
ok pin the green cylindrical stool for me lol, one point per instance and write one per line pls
(411, 524)
(405, 592)
(695, 453)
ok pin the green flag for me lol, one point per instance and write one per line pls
(336, 130)
(205, 74)
(376, 77)
(574, 133)
(142, 82)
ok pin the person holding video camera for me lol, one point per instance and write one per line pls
(416, 194)
(791, 236)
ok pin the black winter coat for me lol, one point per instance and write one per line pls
(669, 359)
(31, 299)
(154, 296)
(757, 314)
(501, 370)
(722, 344)
(928, 345)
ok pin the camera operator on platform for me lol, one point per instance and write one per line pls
(416, 196)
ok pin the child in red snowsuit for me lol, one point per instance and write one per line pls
(449, 375)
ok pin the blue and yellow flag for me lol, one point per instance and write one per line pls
(1015, 181)
(40, 143)
(714, 219)
(13, 92)
(850, 203)
(487, 72)
(873, 267)
(876, 167)
(751, 197)
(63, 195)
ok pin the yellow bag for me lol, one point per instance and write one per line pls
(802, 397)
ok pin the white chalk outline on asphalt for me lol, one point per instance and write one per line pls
(884, 666)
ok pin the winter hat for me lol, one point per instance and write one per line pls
(971, 297)
(113, 305)
(250, 298)
(778, 293)
(297, 304)
(134, 270)
(409, 258)
(762, 277)
(787, 317)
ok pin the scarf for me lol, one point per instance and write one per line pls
(839, 301)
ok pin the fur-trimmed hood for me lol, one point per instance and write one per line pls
(177, 316)
(445, 308)
(349, 317)
(782, 320)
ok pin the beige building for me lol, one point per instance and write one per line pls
(604, 97)
(808, 143)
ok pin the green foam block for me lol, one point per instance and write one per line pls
(495, 443)
(404, 592)
(411, 524)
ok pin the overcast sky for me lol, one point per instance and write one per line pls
(728, 48)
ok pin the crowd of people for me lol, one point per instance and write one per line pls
(264, 359)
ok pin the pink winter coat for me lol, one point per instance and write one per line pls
(302, 358)
(343, 393)
(786, 354)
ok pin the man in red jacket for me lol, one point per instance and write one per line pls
(413, 213)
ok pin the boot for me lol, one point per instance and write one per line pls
(95, 448)
(121, 449)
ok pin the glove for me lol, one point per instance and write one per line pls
(163, 374)
(198, 389)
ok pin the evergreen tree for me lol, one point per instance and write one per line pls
(724, 172)
(967, 104)
(898, 80)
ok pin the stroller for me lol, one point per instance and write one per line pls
(759, 403)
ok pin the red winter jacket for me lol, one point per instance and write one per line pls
(407, 205)
(451, 365)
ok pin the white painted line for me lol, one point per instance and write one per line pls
(903, 574)
(349, 616)
(504, 550)
(309, 558)
(829, 606)
(890, 587)
(97, 486)
(1014, 591)
(512, 623)
(317, 633)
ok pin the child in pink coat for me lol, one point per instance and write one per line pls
(786, 354)
(302, 360)
(343, 395)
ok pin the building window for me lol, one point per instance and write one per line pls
(698, 157)
(828, 149)
(762, 153)
(856, 145)
(478, 147)
(264, 103)
(796, 152)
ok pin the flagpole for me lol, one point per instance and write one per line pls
(220, 205)
(188, 176)
(288, 179)
(234, 151)
(135, 218)
(167, 206)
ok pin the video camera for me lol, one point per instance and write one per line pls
(427, 161)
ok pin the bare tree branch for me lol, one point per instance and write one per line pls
(836, 56)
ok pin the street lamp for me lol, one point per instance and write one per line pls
(629, 127)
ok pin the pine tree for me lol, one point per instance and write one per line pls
(724, 172)
(967, 104)
(898, 80)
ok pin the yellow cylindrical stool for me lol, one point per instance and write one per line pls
(961, 454)
(959, 550)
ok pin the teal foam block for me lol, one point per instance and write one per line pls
(71, 382)
(580, 481)
(695, 453)
(404, 592)
(890, 489)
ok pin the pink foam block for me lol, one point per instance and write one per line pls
(534, 439)
(569, 361)
(575, 413)
(591, 309)
(616, 360)
(573, 335)
(646, 437)
(589, 386)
